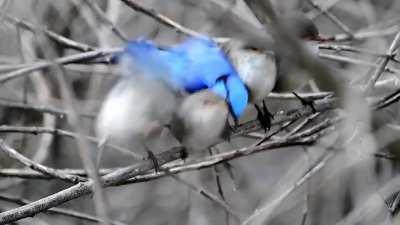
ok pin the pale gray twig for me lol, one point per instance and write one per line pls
(69, 43)
(59, 211)
(100, 14)
(61, 132)
(38, 167)
(122, 175)
(332, 18)
(356, 62)
(381, 67)
(161, 18)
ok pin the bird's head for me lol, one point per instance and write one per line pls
(255, 67)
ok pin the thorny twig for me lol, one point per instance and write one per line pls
(123, 175)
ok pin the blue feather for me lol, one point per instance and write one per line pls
(238, 95)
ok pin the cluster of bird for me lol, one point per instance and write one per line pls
(191, 88)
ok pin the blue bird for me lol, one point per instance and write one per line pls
(192, 65)
(144, 99)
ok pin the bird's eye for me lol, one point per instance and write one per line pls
(252, 48)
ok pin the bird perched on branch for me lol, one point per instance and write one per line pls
(193, 65)
(139, 105)
(201, 120)
(261, 69)
(257, 69)
(145, 98)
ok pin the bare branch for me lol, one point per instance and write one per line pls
(38, 167)
(390, 54)
(100, 14)
(60, 61)
(59, 211)
(161, 18)
(69, 43)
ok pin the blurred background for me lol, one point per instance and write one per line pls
(348, 177)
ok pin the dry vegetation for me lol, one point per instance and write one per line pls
(338, 165)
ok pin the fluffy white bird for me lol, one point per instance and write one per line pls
(256, 68)
(135, 110)
(260, 69)
(201, 120)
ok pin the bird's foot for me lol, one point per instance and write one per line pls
(264, 116)
(306, 102)
(153, 158)
(184, 153)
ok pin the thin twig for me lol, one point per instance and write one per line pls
(387, 100)
(69, 43)
(32, 174)
(268, 209)
(86, 56)
(356, 61)
(40, 108)
(321, 105)
(161, 18)
(100, 14)
(59, 211)
(38, 167)
(70, 134)
(360, 35)
(390, 53)
(209, 196)
(324, 7)
(333, 18)
(122, 175)
(309, 96)
(348, 48)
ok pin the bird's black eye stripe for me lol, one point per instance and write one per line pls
(251, 48)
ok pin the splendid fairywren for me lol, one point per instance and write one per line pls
(138, 106)
(201, 120)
